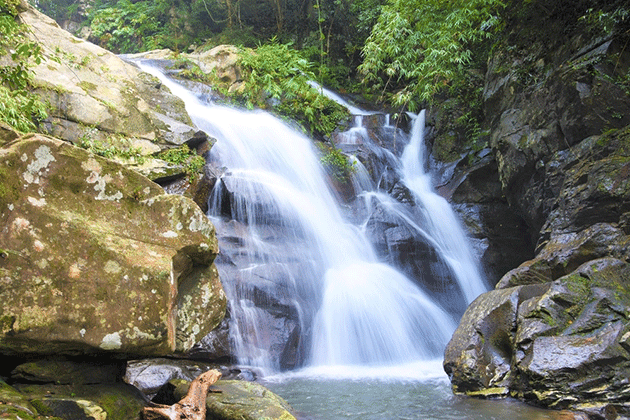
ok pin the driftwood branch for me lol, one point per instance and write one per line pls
(192, 406)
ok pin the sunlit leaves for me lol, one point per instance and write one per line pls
(276, 73)
(18, 106)
(418, 47)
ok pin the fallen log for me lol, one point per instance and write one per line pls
(191, 407)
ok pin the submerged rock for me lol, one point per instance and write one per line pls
(96, 258)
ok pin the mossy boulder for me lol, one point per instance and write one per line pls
(95, 95)
(222, 63)
(562, 344)
(113, 401)
(239, 400)
(15, 405)
(97, 258)
(66, 389)
(565, 252)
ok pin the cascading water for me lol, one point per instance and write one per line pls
(436, 221)
(439, 219)
(297, 254)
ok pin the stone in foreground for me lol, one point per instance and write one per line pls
(97, 258)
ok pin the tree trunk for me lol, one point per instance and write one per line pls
(192, 406)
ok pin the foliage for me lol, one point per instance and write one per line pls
(189, 159)
(18, 106)
(126, 26)
(336, 163)
(114, 147)
(59, 10)
(419, 47)
(276, 74)
(606, 21)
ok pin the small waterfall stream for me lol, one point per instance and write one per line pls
(291, 250)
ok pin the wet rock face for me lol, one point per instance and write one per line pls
(559, 130)
(562, 344)
(478, 359)
(96, 258)
(500, 237)
(574, 98)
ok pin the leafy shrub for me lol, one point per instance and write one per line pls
(336, 164)
(115, 147)
(18, 106)
(276, 74)
(189, 159)
(419, 47)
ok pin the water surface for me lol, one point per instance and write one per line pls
(324, 398)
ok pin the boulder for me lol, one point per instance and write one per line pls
(95, 96)
(221, 62)
(479, 357)
(69, 389)
(96, 258)
(150, 375)
(562, 344)
(240, 400)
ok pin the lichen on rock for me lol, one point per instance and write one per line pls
(86, 266)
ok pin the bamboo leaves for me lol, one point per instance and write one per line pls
(418, 47)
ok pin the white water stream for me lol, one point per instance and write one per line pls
(354, 310)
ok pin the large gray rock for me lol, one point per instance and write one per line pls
(97, 258)
(96, 97)
(574, 97)
(562, 344)
(479, 357)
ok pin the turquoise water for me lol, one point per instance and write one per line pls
(325, 398)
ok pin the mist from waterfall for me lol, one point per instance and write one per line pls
(300, 252)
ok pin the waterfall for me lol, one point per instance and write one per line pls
(291, 250)
(439, 219)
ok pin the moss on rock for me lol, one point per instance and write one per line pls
(91, 250)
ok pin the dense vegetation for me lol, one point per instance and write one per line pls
(406, 53)
(18, 106)
(278, 73)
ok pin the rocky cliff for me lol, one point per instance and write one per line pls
(557, 107)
